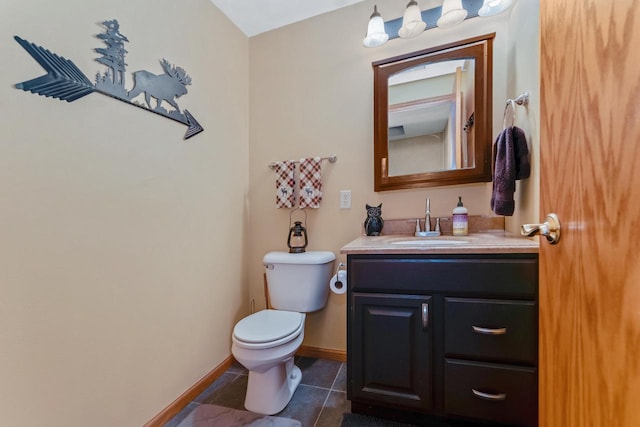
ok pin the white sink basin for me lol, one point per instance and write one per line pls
(429, 242)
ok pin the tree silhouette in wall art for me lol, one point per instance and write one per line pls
(64, 81)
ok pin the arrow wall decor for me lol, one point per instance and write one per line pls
(64, 81)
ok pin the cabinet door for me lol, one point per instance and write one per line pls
(390, 348)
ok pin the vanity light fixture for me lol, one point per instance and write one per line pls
(412, 23)
(494, 7)
(452, 13)
(376, 35)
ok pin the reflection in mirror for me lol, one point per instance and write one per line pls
(433, 116)
(428, 108)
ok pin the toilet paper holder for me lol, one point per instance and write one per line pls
(338, 283)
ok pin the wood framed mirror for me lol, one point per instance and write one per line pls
(433, 115)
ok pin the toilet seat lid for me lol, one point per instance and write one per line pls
(267, 326)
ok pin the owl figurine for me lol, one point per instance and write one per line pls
(374, 222)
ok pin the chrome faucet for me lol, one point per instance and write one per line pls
(427, 216)
(428, 232)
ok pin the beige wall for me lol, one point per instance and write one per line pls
(524, 75)
(121, 254)
(128, 254)
(311, 94)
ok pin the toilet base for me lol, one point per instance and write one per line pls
(270, 391)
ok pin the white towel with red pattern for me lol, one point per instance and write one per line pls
(310, 186)
(285, 184)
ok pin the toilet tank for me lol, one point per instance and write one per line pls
(298, 282)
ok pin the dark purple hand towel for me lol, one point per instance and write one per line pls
(521, 153)
(511, 162)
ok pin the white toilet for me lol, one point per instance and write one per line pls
(266, 341)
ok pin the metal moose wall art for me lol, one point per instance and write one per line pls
(64, 81)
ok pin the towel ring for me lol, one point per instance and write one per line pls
(522, 99)
(512, 103)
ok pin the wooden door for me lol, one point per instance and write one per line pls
(590, 176)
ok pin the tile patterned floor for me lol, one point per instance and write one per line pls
(319, 401)
(219, 416)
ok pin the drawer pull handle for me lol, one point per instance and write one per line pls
(425, 316)
(489, 331)
(488, 396)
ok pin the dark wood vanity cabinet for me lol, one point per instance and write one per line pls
(452, 336)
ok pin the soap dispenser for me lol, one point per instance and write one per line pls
(460, 219)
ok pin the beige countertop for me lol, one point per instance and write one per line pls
(487, 242)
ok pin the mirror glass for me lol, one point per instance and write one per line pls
(428, 105)
(433, 116)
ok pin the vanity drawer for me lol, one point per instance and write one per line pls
(498, 393)
(504, 275)
(491, 330)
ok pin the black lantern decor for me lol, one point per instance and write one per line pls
(297, 240)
